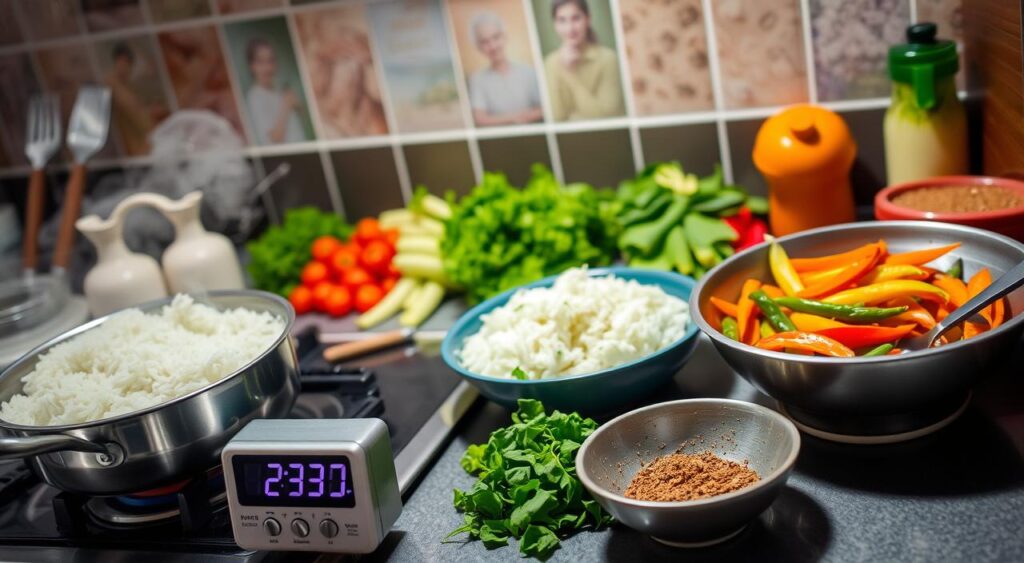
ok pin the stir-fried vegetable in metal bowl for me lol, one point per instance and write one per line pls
(861, 302)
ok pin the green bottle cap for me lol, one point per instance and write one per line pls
(922, 61)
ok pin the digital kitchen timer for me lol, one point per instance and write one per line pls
(311, 485)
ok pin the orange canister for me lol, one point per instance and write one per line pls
(805, 153)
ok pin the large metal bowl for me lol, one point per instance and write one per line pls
(734, 430)
(887, 397)
(167, 442)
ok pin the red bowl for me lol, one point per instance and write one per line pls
(1009, 222)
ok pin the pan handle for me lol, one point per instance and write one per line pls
(28, 446)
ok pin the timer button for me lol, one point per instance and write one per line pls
(272, 527)
(329, 528)
(300, 527)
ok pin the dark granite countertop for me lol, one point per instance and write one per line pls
(955, 495)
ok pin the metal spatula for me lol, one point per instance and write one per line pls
(87, 133)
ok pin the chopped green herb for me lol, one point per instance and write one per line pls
(527, 487)
(518, 373)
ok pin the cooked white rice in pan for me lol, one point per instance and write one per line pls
(137, 360)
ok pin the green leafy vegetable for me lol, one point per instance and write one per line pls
(527, 487)
(500, 237)
(278, 256)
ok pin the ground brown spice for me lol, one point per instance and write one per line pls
(677, 477)
(958, 199)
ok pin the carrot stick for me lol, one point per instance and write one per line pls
(975, 285)
(834, 260)
(954, 287)
(919, 257)
(746, 310)
(728, 309)
(848, 275)
(772, 291)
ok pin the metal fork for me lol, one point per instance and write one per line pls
(87, 133)
(41, 142)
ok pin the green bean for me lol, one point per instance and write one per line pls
(957, 269)
(771, 312)
(880, 350)
(730, 329)
(849, 313)
(766, 329)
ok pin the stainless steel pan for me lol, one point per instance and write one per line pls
(164, 443)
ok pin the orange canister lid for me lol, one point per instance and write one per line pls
(804, 139)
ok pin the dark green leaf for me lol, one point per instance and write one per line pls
(538, 541)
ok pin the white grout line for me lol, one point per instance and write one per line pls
(236, 85)
(542, 82)
(331, 180)
(812, 72)
(724, 156)
(460, 87)
(404, 178)
(626, 85)
(913, 11)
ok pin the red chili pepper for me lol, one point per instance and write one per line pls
(754, 235)
(861, 336)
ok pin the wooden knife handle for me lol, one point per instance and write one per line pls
(33, 218)
(72, 209)
(347, 350)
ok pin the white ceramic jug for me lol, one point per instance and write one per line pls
(121, 278)
(198, 260)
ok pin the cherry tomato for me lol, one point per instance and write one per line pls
(376, 257)
(339, 302)
(314, 273)
(353, 278)
(321, 292)
(344, 260)
(392, 271)
(302, 299)
(366, 230)
(388, 284)
(324, 247)
(391, 236)
(367, 296)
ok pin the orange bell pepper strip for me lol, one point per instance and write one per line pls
(920, 257)
(806, 342)
(886, 272)
(972, 329)
(848, 275)
(782, 270)
(993, 313)
(894, 352)
(811, 278)
(840, 260)
(727, 309)
(915, 313)
(862, 336)
(806, 322)
(954, 287)
(884, 291)
(772, 291)
(746, 311)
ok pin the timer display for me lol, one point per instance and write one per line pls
(294, 480)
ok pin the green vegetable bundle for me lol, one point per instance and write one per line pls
(672, 221)
(500, 237)
(278, 256)
(528, 487)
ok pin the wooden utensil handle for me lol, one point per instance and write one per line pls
(72, 208)
(33, 218)
(340, 352)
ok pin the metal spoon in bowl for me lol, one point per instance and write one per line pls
(1006, 283)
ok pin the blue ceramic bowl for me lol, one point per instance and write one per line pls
(597, 392)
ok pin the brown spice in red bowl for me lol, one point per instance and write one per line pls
(959, 199)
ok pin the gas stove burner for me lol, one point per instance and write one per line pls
(189, 502)
(130, 511)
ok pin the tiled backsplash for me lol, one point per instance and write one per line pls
(367, 99)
